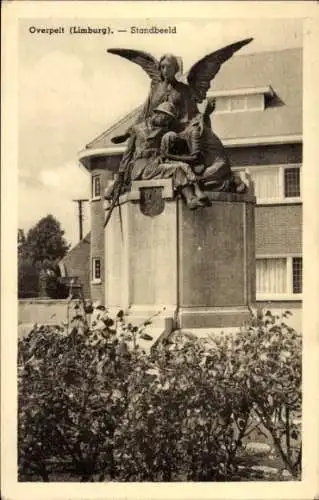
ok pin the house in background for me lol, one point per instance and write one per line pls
(258, 117)
(75, 267)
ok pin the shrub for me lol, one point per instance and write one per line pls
(185, 419)
(272, 360)
(41, 278)
(92, 401)
(72, 393)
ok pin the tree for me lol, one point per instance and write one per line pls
(45, 241)
(40, 250)
(28, 278)
(21, 241)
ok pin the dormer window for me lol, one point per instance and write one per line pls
(232, 101)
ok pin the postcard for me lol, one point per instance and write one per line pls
(159, 250)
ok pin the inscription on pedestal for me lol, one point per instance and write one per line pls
(198, 264)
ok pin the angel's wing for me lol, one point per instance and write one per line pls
(143, 59)
(201, 73)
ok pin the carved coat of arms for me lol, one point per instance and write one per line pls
(151, 201)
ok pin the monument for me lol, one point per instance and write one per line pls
(179, 227)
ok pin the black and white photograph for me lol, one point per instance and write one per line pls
(160, 251)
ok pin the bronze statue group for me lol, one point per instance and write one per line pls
(171, 138)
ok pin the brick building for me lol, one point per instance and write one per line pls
(258, 116)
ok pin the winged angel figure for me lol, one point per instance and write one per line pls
(165, 86)
(191, 140)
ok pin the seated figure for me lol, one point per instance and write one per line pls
(143, 159)
(198, 146)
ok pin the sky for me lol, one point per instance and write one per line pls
(71, 90)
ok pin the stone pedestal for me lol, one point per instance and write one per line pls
(192, 269)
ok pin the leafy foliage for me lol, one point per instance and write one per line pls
(45, 241)
(28, 278)
(91, 400)
(275, 382)
(186, 418)
(20, 240)
(72, 393)
(40, 250)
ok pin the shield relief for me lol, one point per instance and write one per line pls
(151, 201)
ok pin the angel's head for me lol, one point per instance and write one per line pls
(168, 66)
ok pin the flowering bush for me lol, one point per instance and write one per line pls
(93, 402)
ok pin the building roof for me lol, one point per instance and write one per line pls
(86, 239)
(76, 264)
(118, 128)
(282, 70)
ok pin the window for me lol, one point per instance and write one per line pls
(255, 102)
(278, 278)
(275, 183)
(96, 186)
(292, 182)
(235, 103)
(222, 104)
(238, 103)
(266, 183)
(271, 276)
(241, 99)
(297, 275)
(96, 269)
